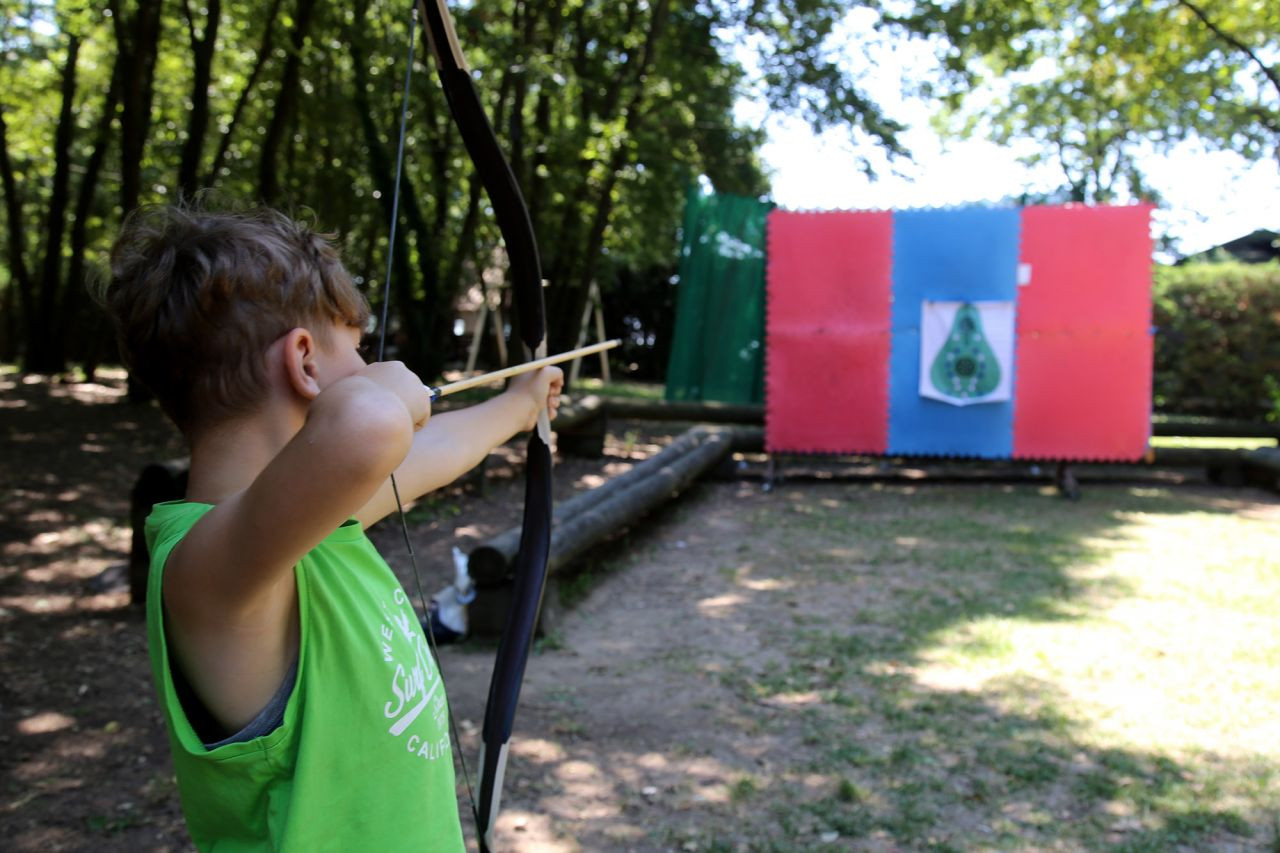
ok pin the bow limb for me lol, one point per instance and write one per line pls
(525, 273)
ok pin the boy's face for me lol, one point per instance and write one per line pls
(339, 356)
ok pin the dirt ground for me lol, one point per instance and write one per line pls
(634, 730)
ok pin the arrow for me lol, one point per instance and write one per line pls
(516, 370)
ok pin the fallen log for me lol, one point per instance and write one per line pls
(1193, 457)
(1262, 467)
(577, 412)
(589, 517)
(580, 427)
(706, 411)
(487, 615)
(703, 412)
(1197, 427)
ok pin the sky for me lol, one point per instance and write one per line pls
(1209, 197)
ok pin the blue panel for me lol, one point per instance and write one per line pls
(959, 254)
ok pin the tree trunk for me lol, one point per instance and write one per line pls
(285, 106)
(415, 334)
(574, 300)
(9, 316)
(73, 294)
(263, 54)
(519, 75)
(137, 42)
(465, 246)
(45, 348)
(18, 272)
(202, 48)
(568, 257)
(537, 183)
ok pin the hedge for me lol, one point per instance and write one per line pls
(1217, 343)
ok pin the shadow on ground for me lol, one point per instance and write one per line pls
(746, 673)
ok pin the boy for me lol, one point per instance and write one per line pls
(303, 706)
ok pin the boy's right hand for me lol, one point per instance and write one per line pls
(405, 384)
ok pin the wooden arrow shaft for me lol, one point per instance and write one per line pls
(516, 370)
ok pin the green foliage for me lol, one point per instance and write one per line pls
(1097, 83)
(1217, 345)
(608, 112)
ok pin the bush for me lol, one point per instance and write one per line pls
(1217, 344)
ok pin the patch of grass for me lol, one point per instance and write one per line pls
(849, 820)
(568, 727)
(551, 641)
(850, 792)
(904, 756)
(1190, 829)
(575, 588)
(720, 845)
(743, 788)
(593, 570)
(1030, 763)
(1097, 785)
(987, 639)
(694, 840)
(116, 823)
(1015, 671)
(629, 441)
(846, 753)
(912, 819)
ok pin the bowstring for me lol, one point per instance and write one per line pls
(382, 346)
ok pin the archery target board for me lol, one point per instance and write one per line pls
(979, 332)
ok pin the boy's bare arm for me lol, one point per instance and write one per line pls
(229, 590)
(355, 434)
(453, 443)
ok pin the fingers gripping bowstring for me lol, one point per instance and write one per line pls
(382, 346)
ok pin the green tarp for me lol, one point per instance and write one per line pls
(718, 347)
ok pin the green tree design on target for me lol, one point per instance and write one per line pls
(966, 366)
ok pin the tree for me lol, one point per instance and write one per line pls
(1099, 83)
(286, 103)
(137, 45)
(202, 52)
(608, 110)
(37, 172)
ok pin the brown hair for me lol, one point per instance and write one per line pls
(198, 297)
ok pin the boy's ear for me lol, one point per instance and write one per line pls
(299, 354)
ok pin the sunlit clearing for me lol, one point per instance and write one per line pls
(766, 584)
(717, 605)
(1187, 628)
(44, 723)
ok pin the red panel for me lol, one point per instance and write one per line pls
(1083, 364)
(1083, 396)
(1090, 267)
(827, 337)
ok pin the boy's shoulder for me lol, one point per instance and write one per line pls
(169, 521)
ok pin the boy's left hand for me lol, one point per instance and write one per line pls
(541, 388)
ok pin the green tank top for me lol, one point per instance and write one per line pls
(362, 760)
